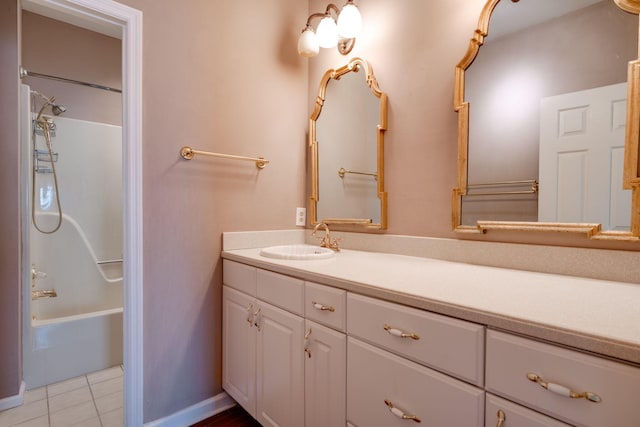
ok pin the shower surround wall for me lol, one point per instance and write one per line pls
(79, 330)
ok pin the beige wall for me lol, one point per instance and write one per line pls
(224, 76)
(9, 203)
(59, 49)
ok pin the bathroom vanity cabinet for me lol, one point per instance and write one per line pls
(297, 352)
(278, 366)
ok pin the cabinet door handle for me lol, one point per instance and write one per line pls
(399, 413)
(250, 315)
(562, 390)
(323, 307)
(501, 418)
(399, 333)
(256, 318)
(307, 343)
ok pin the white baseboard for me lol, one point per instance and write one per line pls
(195, 413)
(13, 401)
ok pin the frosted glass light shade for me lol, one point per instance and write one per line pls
(327, 33)
(349, 21)
(308, 44)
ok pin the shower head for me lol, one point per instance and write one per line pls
(57, 109)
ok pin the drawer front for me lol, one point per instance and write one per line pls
(375, 376)
(325, 305)
(280, 290)
(510, 358)
(514, 415)
(239, 276)
(450, 345)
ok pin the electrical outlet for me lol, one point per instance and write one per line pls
(301, 216)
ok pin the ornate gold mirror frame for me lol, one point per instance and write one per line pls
(354, 65)
(631, 178)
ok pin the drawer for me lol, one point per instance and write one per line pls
(515, 415)
(510, 358)
(239, 276)
(375, 376)
(280, 290)
(325, 305)
(449, 345)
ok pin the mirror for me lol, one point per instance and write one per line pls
(548, 120)
(346, 142)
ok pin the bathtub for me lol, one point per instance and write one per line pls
(65, 347)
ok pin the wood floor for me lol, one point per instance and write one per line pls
(234, 417)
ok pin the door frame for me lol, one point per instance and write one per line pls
(127, 22)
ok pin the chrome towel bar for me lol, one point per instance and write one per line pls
(188, 153)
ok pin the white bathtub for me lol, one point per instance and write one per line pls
(69, 346)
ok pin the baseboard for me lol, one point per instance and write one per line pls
(195, 413)
(13, 401)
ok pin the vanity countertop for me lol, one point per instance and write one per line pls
(593, 315)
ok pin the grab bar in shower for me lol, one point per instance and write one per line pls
(37, 294)
(109, 261)
(188, 153)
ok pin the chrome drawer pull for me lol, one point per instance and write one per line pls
(398, 333)
(562, 390)
(322, 307)
(398, 413)
(501, 418)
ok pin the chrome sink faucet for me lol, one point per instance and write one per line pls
(326, 241)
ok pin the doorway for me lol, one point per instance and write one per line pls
(126, 23)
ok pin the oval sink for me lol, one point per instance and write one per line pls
(297, 252)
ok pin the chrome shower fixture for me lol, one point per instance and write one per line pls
(56, 109)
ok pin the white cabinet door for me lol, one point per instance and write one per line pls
(239, 348)
(515, 415)
(325, 371)
(280, 367)
(383, 387)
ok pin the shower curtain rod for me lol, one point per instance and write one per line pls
(26, 73)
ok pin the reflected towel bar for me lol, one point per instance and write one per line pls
(534, 188)
(188, 153)
(343, 171)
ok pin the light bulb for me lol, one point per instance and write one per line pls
(327, 33)
(349, 21)
(308, 43)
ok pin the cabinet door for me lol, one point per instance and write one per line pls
(514, 415)
(325, 372)
(383, 387)
(280, 369)
(239, 348)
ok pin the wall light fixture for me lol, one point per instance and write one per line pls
(330, 34)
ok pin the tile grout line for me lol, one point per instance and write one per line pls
(93, 399)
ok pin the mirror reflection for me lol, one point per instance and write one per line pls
(547, 108)
(346, 141)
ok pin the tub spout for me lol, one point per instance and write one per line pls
(43, 293)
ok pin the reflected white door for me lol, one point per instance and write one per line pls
(582, 156)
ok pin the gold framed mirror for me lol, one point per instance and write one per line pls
(346, 143)
(551, 192)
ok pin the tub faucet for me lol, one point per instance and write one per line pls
(326, 241)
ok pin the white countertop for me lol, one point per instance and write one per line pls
(594, 315)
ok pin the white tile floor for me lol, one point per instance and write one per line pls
(89, 400)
